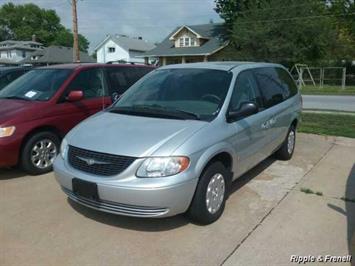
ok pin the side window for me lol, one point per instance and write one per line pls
(287, 82)
(121, 78)
(118, 80)
(245, 90)
(91, 82)
(270, 86)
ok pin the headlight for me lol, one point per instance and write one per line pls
(162, 166)
(7, 131)
(64, 148)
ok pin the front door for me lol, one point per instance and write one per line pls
(249, 138)
(94, 87)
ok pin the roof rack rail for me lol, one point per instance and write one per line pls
(123, 62)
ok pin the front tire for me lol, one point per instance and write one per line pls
(210, 196)
(39, 152)
(286, 150)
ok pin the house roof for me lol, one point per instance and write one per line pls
(56, 55)
(212, 32)
(18, 47)
(11, 42)
(128, 43)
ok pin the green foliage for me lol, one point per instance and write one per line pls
(328, 124)
(20, 22)
(307, 31)
(65, 38)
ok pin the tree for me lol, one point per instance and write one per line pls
(286, 32)
(20, 22)
(65, 38)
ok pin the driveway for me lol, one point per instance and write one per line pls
(267, 218)
(325, 102)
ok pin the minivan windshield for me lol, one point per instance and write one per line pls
(181, 93)
(36, 85)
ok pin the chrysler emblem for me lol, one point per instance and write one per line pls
(91, 161)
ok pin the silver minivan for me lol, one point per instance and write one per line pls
(175, 141)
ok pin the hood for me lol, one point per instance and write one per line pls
(13, 109)
(130, 135)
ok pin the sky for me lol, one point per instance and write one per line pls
(151, 19)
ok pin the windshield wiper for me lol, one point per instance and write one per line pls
(156, 111)
(15, 98)
(169, 109)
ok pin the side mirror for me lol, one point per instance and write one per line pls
(115, 97)
(75, 96)
(247, 109)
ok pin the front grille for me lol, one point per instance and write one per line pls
(117, 208)
(98, 163)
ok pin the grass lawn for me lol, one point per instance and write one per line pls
(328, 90)
(328, 124)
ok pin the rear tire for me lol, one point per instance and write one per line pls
(285, 152)
(210, 196)
(39, 152)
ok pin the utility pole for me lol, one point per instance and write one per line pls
(76, 53)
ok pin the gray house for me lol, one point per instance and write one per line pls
(12, 52)
(187, 44)
(56, 55)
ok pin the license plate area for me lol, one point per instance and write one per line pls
(85, 189)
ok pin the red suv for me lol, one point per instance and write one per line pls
(40, 107)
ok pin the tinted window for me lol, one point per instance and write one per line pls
(91, 82)
(121, 78)
(272, 88)
(287, 82)
(198, 91)
(38, 84)
(6, 78)
(245, 90)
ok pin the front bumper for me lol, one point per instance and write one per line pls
(129, 195)
(9, 151)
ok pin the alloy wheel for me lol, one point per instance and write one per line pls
(43, 153)
(215, 193)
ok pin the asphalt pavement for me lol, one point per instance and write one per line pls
(328, 102)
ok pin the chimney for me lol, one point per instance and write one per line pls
(34, 37)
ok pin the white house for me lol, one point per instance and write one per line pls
(122, 48)
(12, 52)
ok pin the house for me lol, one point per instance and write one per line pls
(12, 52)
(187, 44)
(122, 48)
(55, 55)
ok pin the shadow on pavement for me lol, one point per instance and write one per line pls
(159, 224)
(349, 211)
(244, 179)
(10, 173)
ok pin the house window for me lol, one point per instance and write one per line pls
(181, 42)
(111, 49)
(187, 41)
(8, 54)
(23, 54)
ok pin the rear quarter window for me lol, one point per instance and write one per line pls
(275, 84)
(121, 78)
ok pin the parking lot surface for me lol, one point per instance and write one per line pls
(267, 218)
